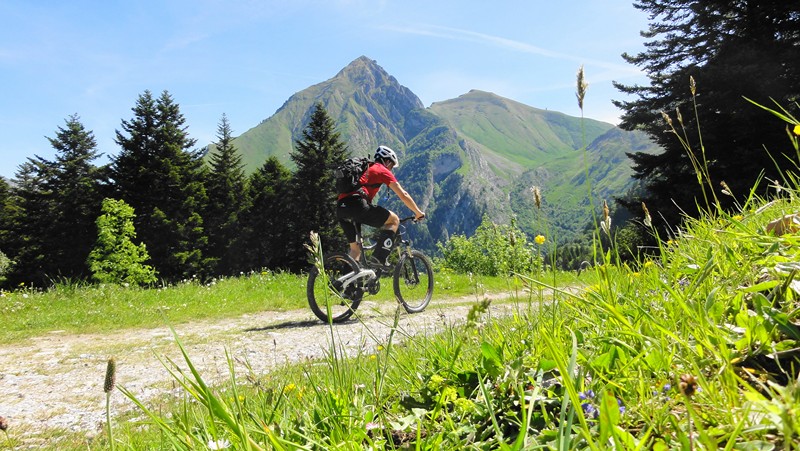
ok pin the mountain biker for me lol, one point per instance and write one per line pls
(357, 206)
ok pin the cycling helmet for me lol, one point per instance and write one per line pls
(384, 152)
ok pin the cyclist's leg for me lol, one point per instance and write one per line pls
(388, 222)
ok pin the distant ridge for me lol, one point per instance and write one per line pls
(465, 157)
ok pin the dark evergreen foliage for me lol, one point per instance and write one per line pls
(159, 175)
(225, 187)
(51, 216)
(313, 188)
(265, 220)
(732, 50)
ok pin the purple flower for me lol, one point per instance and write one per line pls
(590, 411)
(588, 394)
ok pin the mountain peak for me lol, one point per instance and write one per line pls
(363, 68)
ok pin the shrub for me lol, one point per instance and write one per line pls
(493, 250)
(115, 258)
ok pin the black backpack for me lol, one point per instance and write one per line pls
(348, 174)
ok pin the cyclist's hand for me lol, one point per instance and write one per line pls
(419, 216)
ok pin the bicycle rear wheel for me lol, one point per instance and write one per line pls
(331, 297)
(413, 281)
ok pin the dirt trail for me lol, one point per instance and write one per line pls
(56, 380)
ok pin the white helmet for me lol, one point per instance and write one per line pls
(384, 152)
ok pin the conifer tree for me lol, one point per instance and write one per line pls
(51, 216)
(710, 56)
(158, 174)
(26, 221)
(313, 190)
(225, 187)
(264, 222)
(75, 190)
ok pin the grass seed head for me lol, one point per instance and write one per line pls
(111, 375)
(648, 221)
(692, 85)
(582, 86)
(537, 197)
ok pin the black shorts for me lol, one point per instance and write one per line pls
(358, 209)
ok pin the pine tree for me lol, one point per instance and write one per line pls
(159, 175)
(27, 220)
(729, 50)
(74, 187)
(51, 216)
(264, 222)
(312, 188)
(225, 186)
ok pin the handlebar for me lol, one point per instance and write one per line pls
(412, 219)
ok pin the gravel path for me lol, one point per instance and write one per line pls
(55, 381)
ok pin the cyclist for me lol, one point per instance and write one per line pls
(357, 207)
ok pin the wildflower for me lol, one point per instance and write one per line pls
(588, 394)
(688, 385)
(371, 425)
(111, 373)
(738, 217)
(648, 264)
(372, 357)
(621, 406)
(539, 239)
(289, 388)
(219, 444)
(797, 129)
(582, 86)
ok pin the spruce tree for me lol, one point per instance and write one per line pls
(225, 187)
(264, 222)
(312, 188)
(52, 211)
(27, 221)
(710, 56)
(158, 174)
(75, 190)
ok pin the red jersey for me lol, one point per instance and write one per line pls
(371, 181)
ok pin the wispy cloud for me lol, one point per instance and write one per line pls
(457, 34)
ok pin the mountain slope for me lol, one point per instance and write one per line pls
(465, 157)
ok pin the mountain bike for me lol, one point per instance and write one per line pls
(336, 294)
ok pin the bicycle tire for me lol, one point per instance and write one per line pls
(413, 281)
(328, 302)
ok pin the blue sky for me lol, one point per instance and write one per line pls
(246, 58)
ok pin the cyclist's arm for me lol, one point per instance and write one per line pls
(407, 199)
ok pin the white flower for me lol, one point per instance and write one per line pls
(219, 444)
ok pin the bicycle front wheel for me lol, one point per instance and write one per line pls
(413, 281)
(334, 296)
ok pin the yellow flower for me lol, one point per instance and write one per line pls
(372, 357)
(797, 129)
(288, 388)
(539, 239)
(648, 264)
(738, 218)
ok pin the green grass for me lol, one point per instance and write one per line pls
(681, 352)
(108, 308)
